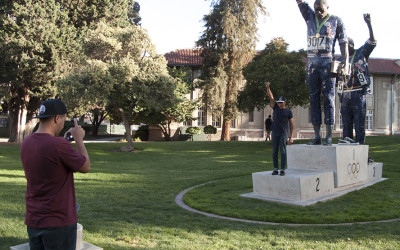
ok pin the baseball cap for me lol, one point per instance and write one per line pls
(281, 99)
(51, 108)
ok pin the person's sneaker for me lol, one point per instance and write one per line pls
(282, 173)
(349, 140)
(275, 172)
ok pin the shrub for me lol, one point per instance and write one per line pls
(193, 130)
(209, 129)
(142, 133)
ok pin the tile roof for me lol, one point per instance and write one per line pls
(384, 66)
(192, 58)
(184, 57)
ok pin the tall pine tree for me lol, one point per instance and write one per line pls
(38, 43)
(34, 38)
(228, 43)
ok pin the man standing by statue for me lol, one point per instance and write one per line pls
(355, 87)
(282, 130)
(322, 32)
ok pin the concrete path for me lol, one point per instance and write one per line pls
(179, 202)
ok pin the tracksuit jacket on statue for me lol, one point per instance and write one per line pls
(321, 38)
(354, 89)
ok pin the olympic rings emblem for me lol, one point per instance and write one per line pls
(353, 169)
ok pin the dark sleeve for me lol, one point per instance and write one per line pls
(341, 32)
(305, 11)
(290, 114)
(368, 48)
(70, 158)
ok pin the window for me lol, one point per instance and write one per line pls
(188, 123)
(340, 121)
(216, 121)
(369, 120)
(233, 123)
(201, 121)
(251, 116)
(371, 86)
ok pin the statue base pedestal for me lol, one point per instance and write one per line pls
(317, 173)
(80, 244)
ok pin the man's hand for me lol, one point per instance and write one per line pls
(268, 84)
(290, 141)
(367, 18)
(77, 131)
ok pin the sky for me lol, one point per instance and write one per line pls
(177, 24)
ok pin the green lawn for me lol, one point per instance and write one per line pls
(127, 200)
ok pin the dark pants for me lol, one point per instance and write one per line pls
(52, 238)
(319, 80)
(279, 143)
(353, 110)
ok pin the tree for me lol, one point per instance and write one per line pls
(86, 90)
(87, 13)
(228, 43)
(180, 111)
(124, 73)
(37, 44)
(286, 72)
(34, 41)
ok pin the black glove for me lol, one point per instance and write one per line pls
(366, 89)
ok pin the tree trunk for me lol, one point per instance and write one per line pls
(18, 117)
(164, 130)
(98, 118)
(13, 125)
(226, 130)
(226, 125)
(128, 130)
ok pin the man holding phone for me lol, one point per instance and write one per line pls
(49, 162)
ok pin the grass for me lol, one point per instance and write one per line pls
(127, 200)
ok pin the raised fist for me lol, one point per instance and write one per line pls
(367, 18)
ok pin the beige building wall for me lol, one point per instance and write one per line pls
(383, 109)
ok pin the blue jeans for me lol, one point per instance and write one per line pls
(279, 143)
(52, 238)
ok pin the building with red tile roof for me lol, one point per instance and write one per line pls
(383, 108)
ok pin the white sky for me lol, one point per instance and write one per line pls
(177, 24)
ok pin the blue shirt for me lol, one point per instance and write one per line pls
(359, 68)
(323, 44)
(281, 120)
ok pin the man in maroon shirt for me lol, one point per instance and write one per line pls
(49, 162)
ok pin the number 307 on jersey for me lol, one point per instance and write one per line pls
(315, 43)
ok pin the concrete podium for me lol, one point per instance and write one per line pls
(317, 173)
(348, 162)
(80, 244)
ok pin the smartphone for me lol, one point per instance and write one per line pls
(69, 136)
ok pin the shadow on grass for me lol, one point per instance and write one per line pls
(127, 200)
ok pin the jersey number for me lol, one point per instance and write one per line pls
(315, 43)
(361, 78)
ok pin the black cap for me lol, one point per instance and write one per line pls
(281, 99)
(51, 108)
